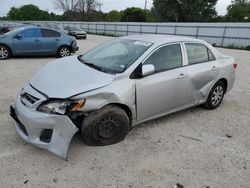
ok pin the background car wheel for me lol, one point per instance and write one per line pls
(216, 96)
(64, 52)
(4, 52)
(106, 126)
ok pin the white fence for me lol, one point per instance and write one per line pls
(221, 34)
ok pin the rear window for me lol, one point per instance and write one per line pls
(198, 53)
(50, 33)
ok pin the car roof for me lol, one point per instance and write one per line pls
(161, 39)
(31, 26)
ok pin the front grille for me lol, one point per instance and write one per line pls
(46, 135)
(28, 99)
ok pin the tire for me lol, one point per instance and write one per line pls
(215, 96)
(63, 51)
(106, 126)
(4, 52)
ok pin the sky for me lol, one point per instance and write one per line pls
(108, 5)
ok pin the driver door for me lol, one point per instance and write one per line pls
(169, 88)
(28, 42)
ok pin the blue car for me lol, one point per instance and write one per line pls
(36, 41)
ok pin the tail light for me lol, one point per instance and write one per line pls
(235, 65)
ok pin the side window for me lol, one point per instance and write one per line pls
(50, 33)
(198, 53)
(165, 58)
(31, 33)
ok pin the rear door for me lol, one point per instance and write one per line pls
(202, 68)
(51, 41)
(28, 41)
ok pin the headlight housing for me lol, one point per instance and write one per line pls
(61, 106)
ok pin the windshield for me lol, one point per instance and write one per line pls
(115, 56)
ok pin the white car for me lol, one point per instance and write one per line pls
(77, 32)
(117, 85)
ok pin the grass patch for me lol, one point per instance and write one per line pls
(234, 47)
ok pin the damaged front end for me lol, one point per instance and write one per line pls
(48, 124)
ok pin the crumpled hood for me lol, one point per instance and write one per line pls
(67, 77)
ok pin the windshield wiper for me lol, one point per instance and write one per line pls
(109, 71)
(95, 66)
(91, 65)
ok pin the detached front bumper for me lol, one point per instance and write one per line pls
(47, 131)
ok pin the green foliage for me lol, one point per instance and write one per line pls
(184, 10)
(31, 12)
(114, 16)
(239, 11)
(247, 48)
(137, 15)
(237, 47)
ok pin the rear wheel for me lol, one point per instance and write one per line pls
(216, 96)
(64, 51)
(4, 52)
(106, 126)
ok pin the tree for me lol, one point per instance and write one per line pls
(30, 12)
(184, 10)
(114, 16)
(136, 15)
(76, 9)
(238, 11)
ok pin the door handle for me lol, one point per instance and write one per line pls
(182, 76)
(37, 40)
(57, 39)
(214, 68)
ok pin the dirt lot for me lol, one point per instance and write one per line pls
(196, 148)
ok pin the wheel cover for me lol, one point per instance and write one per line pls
(64, 52)
(217, 95)
(3, 53)
(106, 128)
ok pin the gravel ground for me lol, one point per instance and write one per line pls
(196, 148)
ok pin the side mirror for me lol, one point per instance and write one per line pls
(18, 36)
(148, 69)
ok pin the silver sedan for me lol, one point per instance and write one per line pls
(117, 85)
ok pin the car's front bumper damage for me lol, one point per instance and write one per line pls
(48, 131)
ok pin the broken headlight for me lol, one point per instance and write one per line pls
(61, 106)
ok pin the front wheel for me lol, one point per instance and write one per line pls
(215, 96)
(4, 52)
(64, 51)
(106, 126)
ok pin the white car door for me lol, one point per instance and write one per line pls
(202, 68)
(168, 88)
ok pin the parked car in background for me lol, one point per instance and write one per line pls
(10, 26)
(1, 29)
(52, 26)
(76, 32)
(34, 41)
(117, 85)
